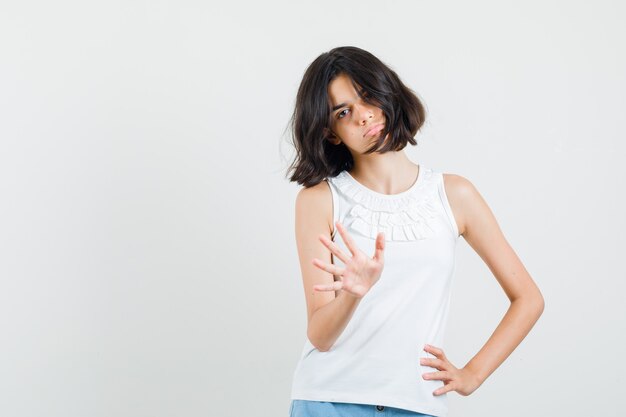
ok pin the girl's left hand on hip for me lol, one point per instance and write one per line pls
(461, 380)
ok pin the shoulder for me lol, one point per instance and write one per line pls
(458, 186)
(463, 197)
(315, 201)
(315, 194)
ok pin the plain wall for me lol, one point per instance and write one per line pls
(148, 264)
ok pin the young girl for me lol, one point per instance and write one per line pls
(376, 322)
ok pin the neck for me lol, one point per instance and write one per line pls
(388, 173)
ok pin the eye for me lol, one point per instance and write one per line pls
(339, 115)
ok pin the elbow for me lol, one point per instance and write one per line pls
(540, 305)
(319, 346)
(537, 304)
(533, 304)
(316, 343)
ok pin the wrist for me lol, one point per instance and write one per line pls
(474, 374)
(349, 296)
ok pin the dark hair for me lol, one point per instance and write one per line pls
(316, 157)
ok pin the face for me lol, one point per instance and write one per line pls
(352, 117)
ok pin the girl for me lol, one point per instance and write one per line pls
(376, 323)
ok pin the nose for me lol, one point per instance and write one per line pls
(364, 113)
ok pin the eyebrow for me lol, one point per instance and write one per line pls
(338, 106)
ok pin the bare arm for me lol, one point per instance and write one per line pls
(329, 321)
(481, 231)
(328, 314)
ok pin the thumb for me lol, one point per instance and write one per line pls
(379, 254)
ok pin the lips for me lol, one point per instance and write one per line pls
(374, 129)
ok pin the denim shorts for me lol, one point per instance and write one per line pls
(306, 408)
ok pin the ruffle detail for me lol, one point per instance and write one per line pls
(402, 217)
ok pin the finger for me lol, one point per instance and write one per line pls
(332, 246)
(347, 238)
(444, 389)
(333, 269)
(441, 375)
(434, 363)
(337, 285)
(379, 254)
(434, 350)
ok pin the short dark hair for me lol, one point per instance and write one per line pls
(316, 157)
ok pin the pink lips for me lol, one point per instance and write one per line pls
(374, 129)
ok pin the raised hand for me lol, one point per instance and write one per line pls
(360, 272)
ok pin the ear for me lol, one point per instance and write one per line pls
(331, 137)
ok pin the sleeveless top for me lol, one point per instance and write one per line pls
(376, 359)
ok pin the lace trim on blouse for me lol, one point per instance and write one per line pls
(406, 216)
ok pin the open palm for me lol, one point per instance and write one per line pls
(360, 272)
